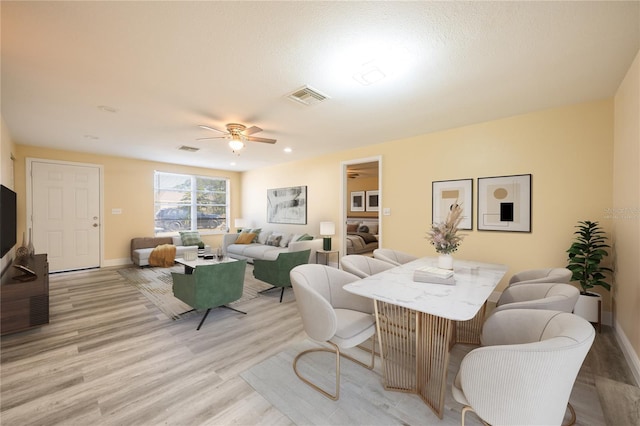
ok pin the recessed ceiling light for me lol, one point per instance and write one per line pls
(233, 163)
(287, 150)
(92, 137)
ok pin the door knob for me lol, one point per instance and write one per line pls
(95, 225)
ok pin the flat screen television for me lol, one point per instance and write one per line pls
(7, 220)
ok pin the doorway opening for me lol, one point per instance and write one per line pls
(362, 205)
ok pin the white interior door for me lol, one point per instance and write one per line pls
(65, 214)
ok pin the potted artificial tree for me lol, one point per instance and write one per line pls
(585, 254)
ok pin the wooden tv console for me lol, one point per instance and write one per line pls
(25, 304)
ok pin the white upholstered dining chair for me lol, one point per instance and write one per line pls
(525, 370)
(332, 315)
(551, 296)
(546, 275)
(394, 257)
(363, 266)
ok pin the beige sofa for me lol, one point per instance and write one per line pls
(260, 250)
(142, 247)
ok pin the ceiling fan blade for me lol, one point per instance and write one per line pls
(212, 128)
(251, 130)
(265, 140)
(212, 137)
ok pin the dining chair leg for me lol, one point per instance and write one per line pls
(281, 294)
(335, 396)
(332, 396)
(572, 420)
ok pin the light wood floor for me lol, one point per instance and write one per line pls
(110, 357)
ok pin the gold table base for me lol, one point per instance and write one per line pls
(414, 348)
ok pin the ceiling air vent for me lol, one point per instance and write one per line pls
(307, 95)
(188, 148)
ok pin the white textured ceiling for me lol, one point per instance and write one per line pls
(167, 67)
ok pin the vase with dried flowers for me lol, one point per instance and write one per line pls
(445, 238)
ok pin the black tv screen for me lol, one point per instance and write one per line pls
(7, 220)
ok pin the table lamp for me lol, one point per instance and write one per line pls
(327, 229)
(240, 224)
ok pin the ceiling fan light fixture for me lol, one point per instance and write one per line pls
(236, 144)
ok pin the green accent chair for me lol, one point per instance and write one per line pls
(276, 272)
(211, 286)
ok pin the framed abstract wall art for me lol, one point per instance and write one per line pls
(287, 205)
(504, 203)
(373, 203)
(446, 193)
(357, 201)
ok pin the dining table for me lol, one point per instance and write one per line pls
(418, 322)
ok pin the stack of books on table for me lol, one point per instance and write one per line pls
(434, 275)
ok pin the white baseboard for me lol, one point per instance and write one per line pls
(629, 353)
(117, 262)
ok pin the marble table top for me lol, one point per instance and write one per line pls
(474, 283)
(200, 261)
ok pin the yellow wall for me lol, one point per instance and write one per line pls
(626, 207)
(7, 149)
(128, 185)
(567, 150)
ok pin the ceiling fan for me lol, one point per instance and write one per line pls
(237, 134)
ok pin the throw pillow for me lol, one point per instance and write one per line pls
(191, 238)
(284, 242)
(363, 228)
(352, 227)
(257, 232)
(295, 237)
(373, 228)
(263, 236)
(274, 240)
(245, 238)
(305, 237)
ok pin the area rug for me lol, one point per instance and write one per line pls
(363, 399)
(156, 285)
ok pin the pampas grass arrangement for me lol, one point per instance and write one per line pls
(444, 235)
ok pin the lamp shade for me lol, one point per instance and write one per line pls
(241, 223)
(327, 228)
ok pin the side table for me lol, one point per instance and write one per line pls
(326, 254)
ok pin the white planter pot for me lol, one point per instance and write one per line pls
(588, 307)
(445, 261)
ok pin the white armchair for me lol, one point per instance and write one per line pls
(363, 266)
(551, 296)
(526, 368)
(394, 257)
(331, 315)
(548, 275)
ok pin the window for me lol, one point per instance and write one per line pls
(180, 198)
